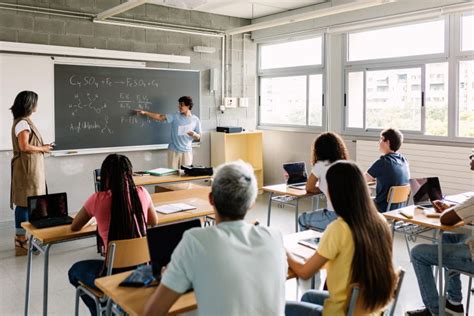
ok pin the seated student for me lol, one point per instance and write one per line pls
(457, 254)
(122, 211)
(235, 268)
(389, 170)
(347, 248)
(328, 148)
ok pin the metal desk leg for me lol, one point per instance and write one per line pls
(296, 215)
(45, 281)
(28, 274)
(440, 274)
(269, 208)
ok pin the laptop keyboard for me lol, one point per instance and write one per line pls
(50, 222)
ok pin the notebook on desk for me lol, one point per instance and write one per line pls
(48, 210)
(174, 208)
(297, 175)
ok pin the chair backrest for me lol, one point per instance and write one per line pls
(96, 176)
(398, 194)
(127, 253)
(355, 305)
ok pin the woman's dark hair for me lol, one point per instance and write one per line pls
(24, 104)
(394, 136)
(188, 101)
(372, 267)
(126, 216)
(329, 146)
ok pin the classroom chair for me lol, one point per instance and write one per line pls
(96, 176)
(121, 254)
(450, 273)
(398, 195)
(356, 309)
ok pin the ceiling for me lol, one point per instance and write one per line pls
(247, 9)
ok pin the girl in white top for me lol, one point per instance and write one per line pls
(328, 148)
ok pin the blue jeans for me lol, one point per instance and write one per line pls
(21, 215)
(317, 220)
(311, 304)
(86, 271)
(456, 255)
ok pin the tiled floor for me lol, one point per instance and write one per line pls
(62, 256)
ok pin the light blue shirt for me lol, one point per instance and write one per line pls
(180, 126)
(235, 268)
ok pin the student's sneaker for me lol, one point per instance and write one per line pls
(419, 312)
(455, 310)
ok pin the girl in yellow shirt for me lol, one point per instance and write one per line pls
(356, 248)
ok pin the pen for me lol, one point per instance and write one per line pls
(71, 152)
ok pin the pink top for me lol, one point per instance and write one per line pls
(99, 204)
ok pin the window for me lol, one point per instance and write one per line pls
(436, 99)
(466, 99)
(400, 41)
(292, 84)
(292, 54)
(467, 33)
(283, 100)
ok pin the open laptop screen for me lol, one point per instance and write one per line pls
(47, 206)
(425, 190)
(162, 240)
(296, 172)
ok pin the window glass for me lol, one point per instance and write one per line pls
(291, 54)
(467, 32)
(436, 99)
(466, 99)
(393, 98)
(316, 100)
(355, 99)
(283, 100)
(400, 41)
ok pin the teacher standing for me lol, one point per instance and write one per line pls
(27, 166)
(185, 128)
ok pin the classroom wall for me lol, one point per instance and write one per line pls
(73, 174)
(296, 146)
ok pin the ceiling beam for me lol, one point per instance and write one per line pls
(119, 9)
(352, 6)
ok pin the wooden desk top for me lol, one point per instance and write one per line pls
(132, 300)
(57, 233)
(420, 219)
(149, 179)
(283, 189)
(195, 197)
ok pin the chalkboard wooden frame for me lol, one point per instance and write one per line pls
(193, 78)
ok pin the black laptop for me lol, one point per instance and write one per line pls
(48, 210)
(297, 176)
(163, 239)
(425, 190)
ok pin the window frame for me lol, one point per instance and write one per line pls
(308, 70)
(452, 55)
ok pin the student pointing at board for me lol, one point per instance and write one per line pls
(185, 127)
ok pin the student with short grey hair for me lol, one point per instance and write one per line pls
(235, 268)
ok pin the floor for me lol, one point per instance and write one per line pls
(61, 293)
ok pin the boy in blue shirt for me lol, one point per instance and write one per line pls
(185, 127)
(389, 170)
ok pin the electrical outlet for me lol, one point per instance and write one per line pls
(230, 102)
(244, 102)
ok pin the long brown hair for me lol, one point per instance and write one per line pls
(372, 267)
(329, 146)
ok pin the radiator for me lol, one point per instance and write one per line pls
(450, 164)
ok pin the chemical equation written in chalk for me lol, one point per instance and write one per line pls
(86, 102)
(92, 81)
(102, 127)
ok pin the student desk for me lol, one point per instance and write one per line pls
(432, 223)
(152, 180)
(132, 300)
(196, 197)
(282, 194)
(42, 239)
